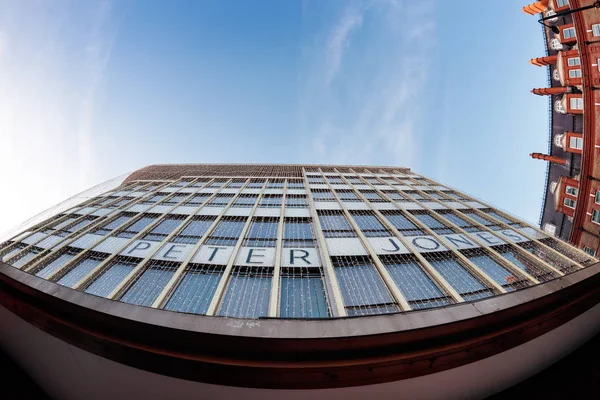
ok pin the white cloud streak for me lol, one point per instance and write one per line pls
(365, 106)
(51, 77)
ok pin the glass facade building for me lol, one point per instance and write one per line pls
(303, 242)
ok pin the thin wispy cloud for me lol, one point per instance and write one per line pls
(51, 76)
(362, 102)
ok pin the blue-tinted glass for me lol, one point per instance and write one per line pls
(247, 296)
(455, 219)
(528, 266)
(262, 230)
(403, 223)
(494, 270)
(117, 222)
(368, 222)
(479, 219)
(140, 224)
(361, 285)
(297, 230)
(303, 297)
(109, 280)
(194, 293)
(429, 221)
(457, 276)
(83, 268)
(25, 258)
(166, 226)
(231, 229)
(196, 228)
(498, 217)
(148, 286)
(372, 310)
(53, 266)
(413, 281)
(334, 222)
(80, 225)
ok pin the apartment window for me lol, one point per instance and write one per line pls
(570, 203)
(597, 198)
(576, 143)
(163, 229)
(293, 201)
(227, 232)
(576, 103)
(193, 231)
(596, 29)
(262, 233)
(562, 3)
(596, 216)
(571, 190)
(568, 33)
(587, 249)
(573, 61)
(196, 289)
(402, 223)
(270, 201)
(136, 227)
(362, 288)
(370, 225)
(245, 201)
(574, 73)
(298, 233)
(347, 195)
(335, 225)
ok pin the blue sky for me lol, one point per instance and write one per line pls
(94, 89)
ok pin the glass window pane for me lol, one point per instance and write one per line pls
(403, 224)
(247, 296)
(194, 293)
(148, 286)
(413, 282)
(54, 265)
(303, 297)
(361, 285)
(82, 268)
(494, 270)
(105, 283)
(457, 276)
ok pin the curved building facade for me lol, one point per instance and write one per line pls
(181, 281)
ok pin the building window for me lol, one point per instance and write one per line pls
(373, 196)
(302, 295)
(227, 232)
(322, 195)
(587, 249)
(270, 201)
(576, 103)
(568, 33)
(347, 195)
(155, 198)
(562, 3)
(432, 223)
(245, 201)
(178, 198)
(574, 73)
(262, 233)
(235, 185)
(558, 107)
(571, 190)
(370, 225)
(335, 225)
(296, 201)
(596, 216)
(247, 295)
(295, 185)
(417, 287)
(54, 265)
(197, 200)
(275, 185)
(596, 29)
(193, 231)
(110, 279)
(255, 185)
(362, 288)
(526, 265)
(466, 284)
(555, 44)
(573, 61)
(163, 229)
(135, 228)
(220, 200)
(576, 143)
(83, 267)
(402, 223)
(316, 181)
(334, 180)
(195, 290)
(298, 233)
(597, 197)
(460, 222)
(150, 284)
(115, 223)
(570, 203)
(497, 272)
